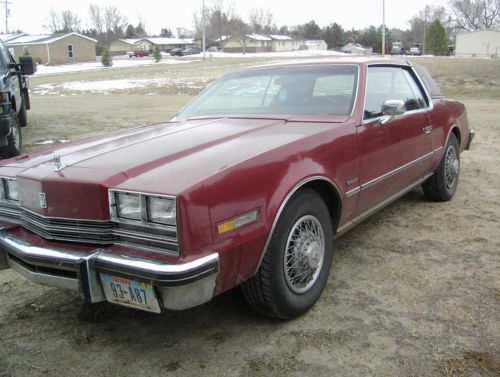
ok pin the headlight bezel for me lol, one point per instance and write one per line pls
(144, 219)
(5, 190)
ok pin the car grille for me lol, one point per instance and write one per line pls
(93, 232)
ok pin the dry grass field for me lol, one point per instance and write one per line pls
(413, 291)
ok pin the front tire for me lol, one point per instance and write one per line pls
(296, 264)
(14, 139)
(442, 185)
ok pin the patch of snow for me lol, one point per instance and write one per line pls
(118, 62)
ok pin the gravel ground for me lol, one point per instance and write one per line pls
(413, 291)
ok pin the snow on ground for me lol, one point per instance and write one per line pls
(118, 62)
(108, 86)
(126, 62)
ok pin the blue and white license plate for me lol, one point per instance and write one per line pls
(134, 293)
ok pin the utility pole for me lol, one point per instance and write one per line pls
(425, 25)
(203, 29)
(383, 28)
(7, 11)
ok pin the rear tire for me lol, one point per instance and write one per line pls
(23, 115)
(442, 185)
(296, 264)
(14, 139)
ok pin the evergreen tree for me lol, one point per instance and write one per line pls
(157, 54)
(106, 59)
(436, 41)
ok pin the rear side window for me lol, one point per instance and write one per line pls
(391, 83)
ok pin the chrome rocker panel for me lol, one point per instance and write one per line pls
(179, 286)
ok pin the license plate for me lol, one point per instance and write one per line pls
(129, 292)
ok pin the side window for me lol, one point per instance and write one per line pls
(388, 83)
(70, 51)
(421, 98)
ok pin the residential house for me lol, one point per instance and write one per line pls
(356, 49)
(59, 48)
(248, 43)
(285, 43)
(317, 44)
(122, 46)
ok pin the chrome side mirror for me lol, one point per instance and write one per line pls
(393, 107)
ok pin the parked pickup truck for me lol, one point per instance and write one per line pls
(249, 184)
(14, 100)
(138, 53)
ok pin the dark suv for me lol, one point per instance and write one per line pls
(14, 100)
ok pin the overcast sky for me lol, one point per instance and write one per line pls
(31, 15)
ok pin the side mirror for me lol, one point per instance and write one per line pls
(27, 64)
(393, 107)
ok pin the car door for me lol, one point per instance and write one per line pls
(395, 152)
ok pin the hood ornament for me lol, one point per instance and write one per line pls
(57, 163)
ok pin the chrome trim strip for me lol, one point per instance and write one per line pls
(161, 272)
(282, 207)
(353, 192)
(377, 207)
(395, 171)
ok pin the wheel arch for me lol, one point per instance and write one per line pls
(326, 189)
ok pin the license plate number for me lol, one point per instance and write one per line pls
(129, 292)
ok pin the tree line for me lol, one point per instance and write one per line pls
(436, 23)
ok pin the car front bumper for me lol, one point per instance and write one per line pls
(178, 286)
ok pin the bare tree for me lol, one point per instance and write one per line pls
(238, 29)
(476, 14)
(64, 22)
(108, 22)
(262, 21)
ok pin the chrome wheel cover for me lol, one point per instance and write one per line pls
(304, 254)
(452, 166)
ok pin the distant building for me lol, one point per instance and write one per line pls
(316, 45)
(122, 46)
(57, 48)
(480, 43)
(284, 43)
(356, 49)
(248, 43)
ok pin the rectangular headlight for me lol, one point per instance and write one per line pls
(161, 210)
(128, 206)
(10, 189)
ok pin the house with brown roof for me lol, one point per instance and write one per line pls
(51, 49)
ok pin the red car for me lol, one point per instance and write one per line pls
(138, 53)
(248, 184)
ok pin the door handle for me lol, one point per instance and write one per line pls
(427, 129)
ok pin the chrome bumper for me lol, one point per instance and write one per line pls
(179, 286)
(472, 134)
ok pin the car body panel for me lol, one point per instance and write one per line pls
(222, 167)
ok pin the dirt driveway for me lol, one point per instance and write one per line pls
(413, 291)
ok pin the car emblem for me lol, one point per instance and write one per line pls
(57, 162)
(43, 200)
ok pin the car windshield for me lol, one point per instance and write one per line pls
(314, 90)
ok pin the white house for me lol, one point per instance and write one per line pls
(248, 43)
(318, 44)
(480, 43)
(356, 49)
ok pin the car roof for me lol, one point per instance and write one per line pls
(333, 61)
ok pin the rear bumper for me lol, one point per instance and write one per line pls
(179, 286)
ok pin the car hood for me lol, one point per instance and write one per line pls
(166, 158)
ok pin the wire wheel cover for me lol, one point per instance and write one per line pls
(304, 254)
(452, 166)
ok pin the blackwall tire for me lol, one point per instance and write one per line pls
(442, 185)
(295, 267)
(14, 139)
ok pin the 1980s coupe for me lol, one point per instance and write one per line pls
(248, 184)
